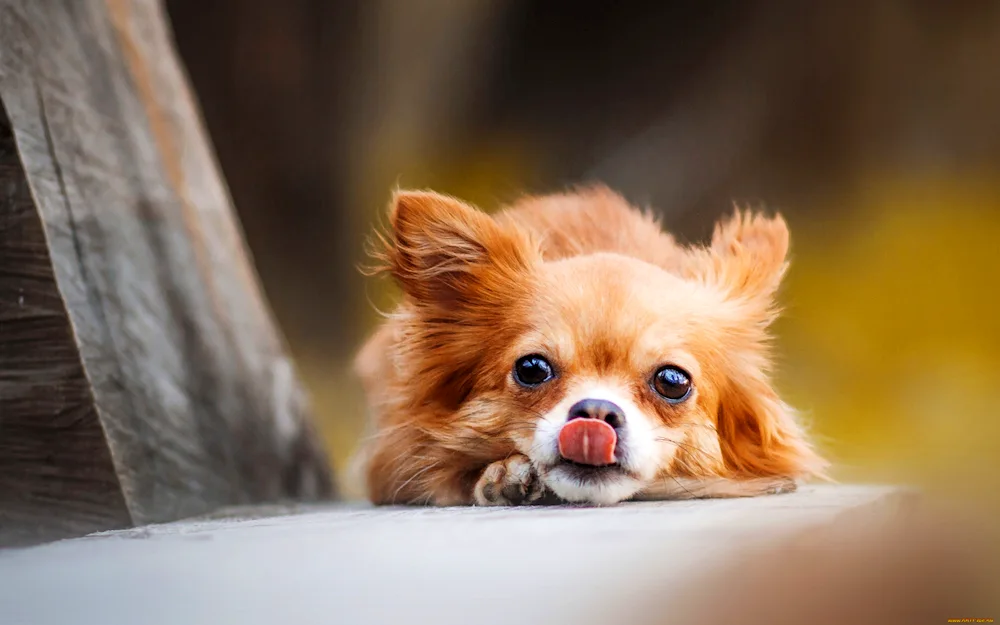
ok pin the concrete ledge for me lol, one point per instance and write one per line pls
(356, 564)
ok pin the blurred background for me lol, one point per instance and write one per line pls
(874, 127)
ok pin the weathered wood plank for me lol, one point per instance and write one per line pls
(193, 389)
(46, 409)
(356, 564)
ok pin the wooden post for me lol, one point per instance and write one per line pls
(142, 378)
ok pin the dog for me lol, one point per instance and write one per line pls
(567, 346)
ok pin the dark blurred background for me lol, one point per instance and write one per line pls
(874, 127)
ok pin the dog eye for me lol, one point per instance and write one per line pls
(672, 383)
(532, 370)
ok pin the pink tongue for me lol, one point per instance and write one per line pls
(588, 441)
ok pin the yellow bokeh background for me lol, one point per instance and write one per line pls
(891, 341)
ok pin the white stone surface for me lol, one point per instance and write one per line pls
(350, 564)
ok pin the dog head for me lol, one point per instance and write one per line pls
(610, 373)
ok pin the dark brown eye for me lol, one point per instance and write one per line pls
(672, 383)
(532, 370)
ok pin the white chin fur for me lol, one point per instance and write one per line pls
(603, 493)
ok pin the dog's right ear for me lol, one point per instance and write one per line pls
(446, 253)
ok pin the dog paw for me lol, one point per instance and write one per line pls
(508, 482)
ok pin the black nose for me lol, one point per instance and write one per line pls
(602, 409)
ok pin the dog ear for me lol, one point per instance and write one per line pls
(442, 251)
(759, 434)
(746, 260)
(463, 274)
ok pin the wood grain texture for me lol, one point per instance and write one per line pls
(56, 474)
(192, 386)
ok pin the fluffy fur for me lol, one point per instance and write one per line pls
(607, 297)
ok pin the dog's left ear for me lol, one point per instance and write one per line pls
(759, 434)
(746, 260)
